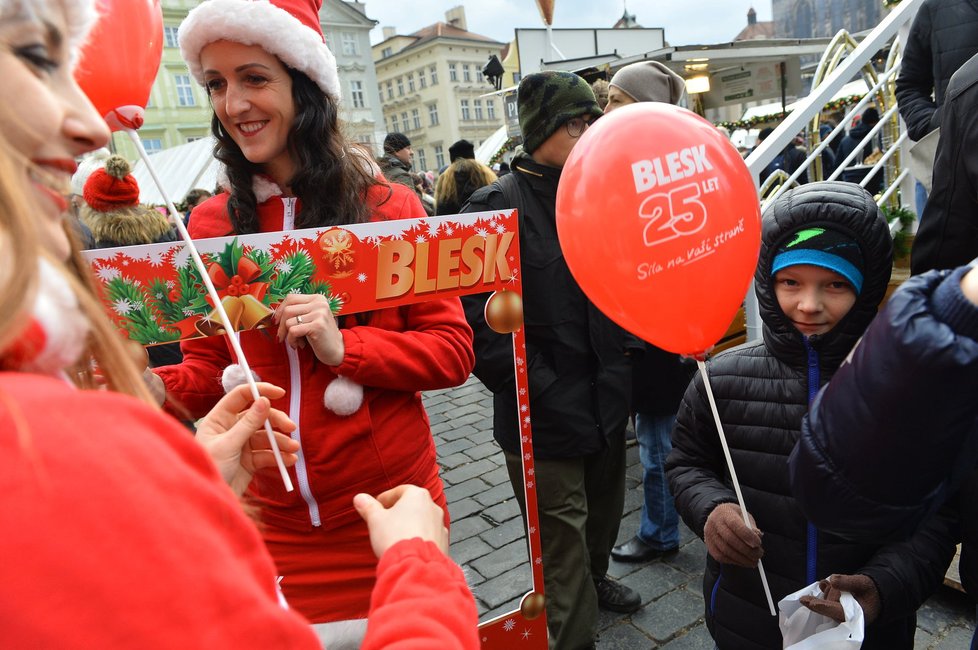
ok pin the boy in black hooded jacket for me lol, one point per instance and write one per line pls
(825, 262)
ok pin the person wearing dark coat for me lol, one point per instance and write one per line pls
(833, 232)
(944, 35)
(947, 236)
(905, 398)
(789, 159)
(454, 187)
(578, 369)
(869, 119)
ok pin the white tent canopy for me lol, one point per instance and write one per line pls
(491, 145)
(180, 169)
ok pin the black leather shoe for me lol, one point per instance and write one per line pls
(635, 550)
(615, 596)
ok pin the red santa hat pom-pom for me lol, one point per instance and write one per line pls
(234, 375)
(343, 396)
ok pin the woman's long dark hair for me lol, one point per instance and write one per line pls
(331, 179)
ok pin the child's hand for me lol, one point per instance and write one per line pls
(729, 540)
(404, 512)
(862, 588)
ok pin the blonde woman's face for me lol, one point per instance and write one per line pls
(48, 120)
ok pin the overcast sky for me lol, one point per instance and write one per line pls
(686, 22)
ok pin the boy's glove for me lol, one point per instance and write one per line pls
(729, 540)
(862, 588)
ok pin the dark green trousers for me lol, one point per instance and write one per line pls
(580, 502)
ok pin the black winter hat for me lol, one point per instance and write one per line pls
(461, 149)
(394, 142)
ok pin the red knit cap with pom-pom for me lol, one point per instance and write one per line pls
(113, 187)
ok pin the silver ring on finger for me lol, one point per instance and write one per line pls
(298, 319)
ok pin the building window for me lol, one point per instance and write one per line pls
(452, 72)
(152, 145)
(422, 163)
(490, 109)
(404, 120)
(433, 114)
(416, 118)
(478, 76)
(185, 90)
(466, 74)
(400, 86)
(516, 78)
(395, 127)
(356, 94)
(439, 157)
(465, 110)
(170, 36)
(380, 93)
(434, 75)
(350, 44)
(477, 104)
(386, 52)
(411, 82)
(390, 90)
(422, 80)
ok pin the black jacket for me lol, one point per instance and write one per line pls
(579, 374)
(948, 232)
(762, 392)
(906, 400)
(659, 381)
(943, 36)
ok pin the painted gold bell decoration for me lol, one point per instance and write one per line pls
(245, 313)
(504, 312)
(254, 313)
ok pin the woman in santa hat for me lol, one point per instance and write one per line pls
(119, 530)
(352, 382)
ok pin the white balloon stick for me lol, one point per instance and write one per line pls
(218, 306)
(733, 475)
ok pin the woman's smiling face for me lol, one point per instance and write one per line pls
(251, 92)
(48, 119)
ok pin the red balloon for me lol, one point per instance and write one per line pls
(118, 64)
(659, 222)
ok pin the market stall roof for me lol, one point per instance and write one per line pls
(857, 87)
(180, 169)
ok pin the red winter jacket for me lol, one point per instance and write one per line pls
(399, 352)
(119, 533)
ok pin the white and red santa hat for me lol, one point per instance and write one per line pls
(289, 29)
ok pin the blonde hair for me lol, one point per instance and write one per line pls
(464, 171)
(22, 250)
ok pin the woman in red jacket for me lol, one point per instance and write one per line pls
(118, 530)
(273, 84)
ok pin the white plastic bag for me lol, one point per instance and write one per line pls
(803, 629)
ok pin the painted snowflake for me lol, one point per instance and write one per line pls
(523, 409)
(526, 635)
(419, 239)
(123, 306)
(284, 266)
(449, 230)
(361, 278)
(108, 273)
(509, 624)
(482, 232)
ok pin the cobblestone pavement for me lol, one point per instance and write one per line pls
(487, 540)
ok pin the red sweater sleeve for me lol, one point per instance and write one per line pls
(420, 601)
(433, 351)
(193, 387)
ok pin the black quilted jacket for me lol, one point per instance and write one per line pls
(762, 392)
